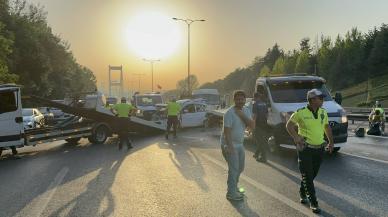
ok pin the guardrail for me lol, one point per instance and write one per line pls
(353, 114)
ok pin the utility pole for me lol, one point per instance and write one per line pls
(188, 22)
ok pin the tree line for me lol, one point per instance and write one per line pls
(32, 56)
(343, 61)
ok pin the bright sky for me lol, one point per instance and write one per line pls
(123, 32)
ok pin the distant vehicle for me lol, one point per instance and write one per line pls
(286, 94)
(147, 104)
(111, 100)
(212, 97)
(32, 118)
(193, 113)
(48, 114)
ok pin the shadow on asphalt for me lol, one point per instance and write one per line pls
(82, 160)
(186, 161)
(243, 208)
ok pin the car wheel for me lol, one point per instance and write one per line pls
(100, 134)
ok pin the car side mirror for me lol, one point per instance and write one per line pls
(338, 98)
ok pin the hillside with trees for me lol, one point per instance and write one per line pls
(32, 56)
(344, 62)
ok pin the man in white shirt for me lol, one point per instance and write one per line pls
(236, 119)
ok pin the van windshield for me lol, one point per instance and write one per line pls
(295, 92)
(211, 99)
(148, 100)
(8, 102)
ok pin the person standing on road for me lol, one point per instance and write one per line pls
(260, 114)
(378, 114)
(312, 122)
(236, 119)
(173, 109)
(123, 111)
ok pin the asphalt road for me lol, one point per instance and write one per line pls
(186, 177)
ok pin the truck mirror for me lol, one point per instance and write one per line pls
(338, 98)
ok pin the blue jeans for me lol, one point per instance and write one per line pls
(236, 162)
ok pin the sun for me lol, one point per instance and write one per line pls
(153, 35)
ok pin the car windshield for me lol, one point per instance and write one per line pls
(295, 92)
(27, 112)
(211, 99)
(148, 100)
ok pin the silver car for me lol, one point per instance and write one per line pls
(32, 118)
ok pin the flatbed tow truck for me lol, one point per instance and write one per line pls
(90, 119)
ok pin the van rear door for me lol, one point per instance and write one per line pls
(11, 119)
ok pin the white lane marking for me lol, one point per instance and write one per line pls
(351, 200)
(46, 197)
(269, 191)
(366, 158)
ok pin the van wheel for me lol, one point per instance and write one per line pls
(336, 149)
(100, 135)
(73, 141)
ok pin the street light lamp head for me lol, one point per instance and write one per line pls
(174, 18)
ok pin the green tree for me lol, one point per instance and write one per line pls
(5, 49)
(265, 71)
(279, 67)
(303, 63)
(182, 87)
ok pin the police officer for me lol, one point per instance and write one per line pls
(381, 116)
(312, 123)
(173, 109)
(260, 113)
(123, 111)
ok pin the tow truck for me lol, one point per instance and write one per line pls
(90, 119)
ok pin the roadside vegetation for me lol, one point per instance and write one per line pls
(33, 56)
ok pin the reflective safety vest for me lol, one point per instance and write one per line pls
(311, 126)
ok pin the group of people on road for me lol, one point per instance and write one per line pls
(311, 122)
(124, 110)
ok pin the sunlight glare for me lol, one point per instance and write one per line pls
(153, 35)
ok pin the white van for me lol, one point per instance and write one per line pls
(285, 95)
(11, 118)
(211, 96)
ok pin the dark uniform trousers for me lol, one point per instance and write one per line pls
(172, 120)
(309, 160)
(123, 131)
(261, 140)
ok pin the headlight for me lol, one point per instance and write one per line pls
(344, 117)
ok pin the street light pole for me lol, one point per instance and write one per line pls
(188, 22)
(151, 61)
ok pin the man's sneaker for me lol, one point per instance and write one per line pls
(315, 208)
(235, 197)
(241, 190)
